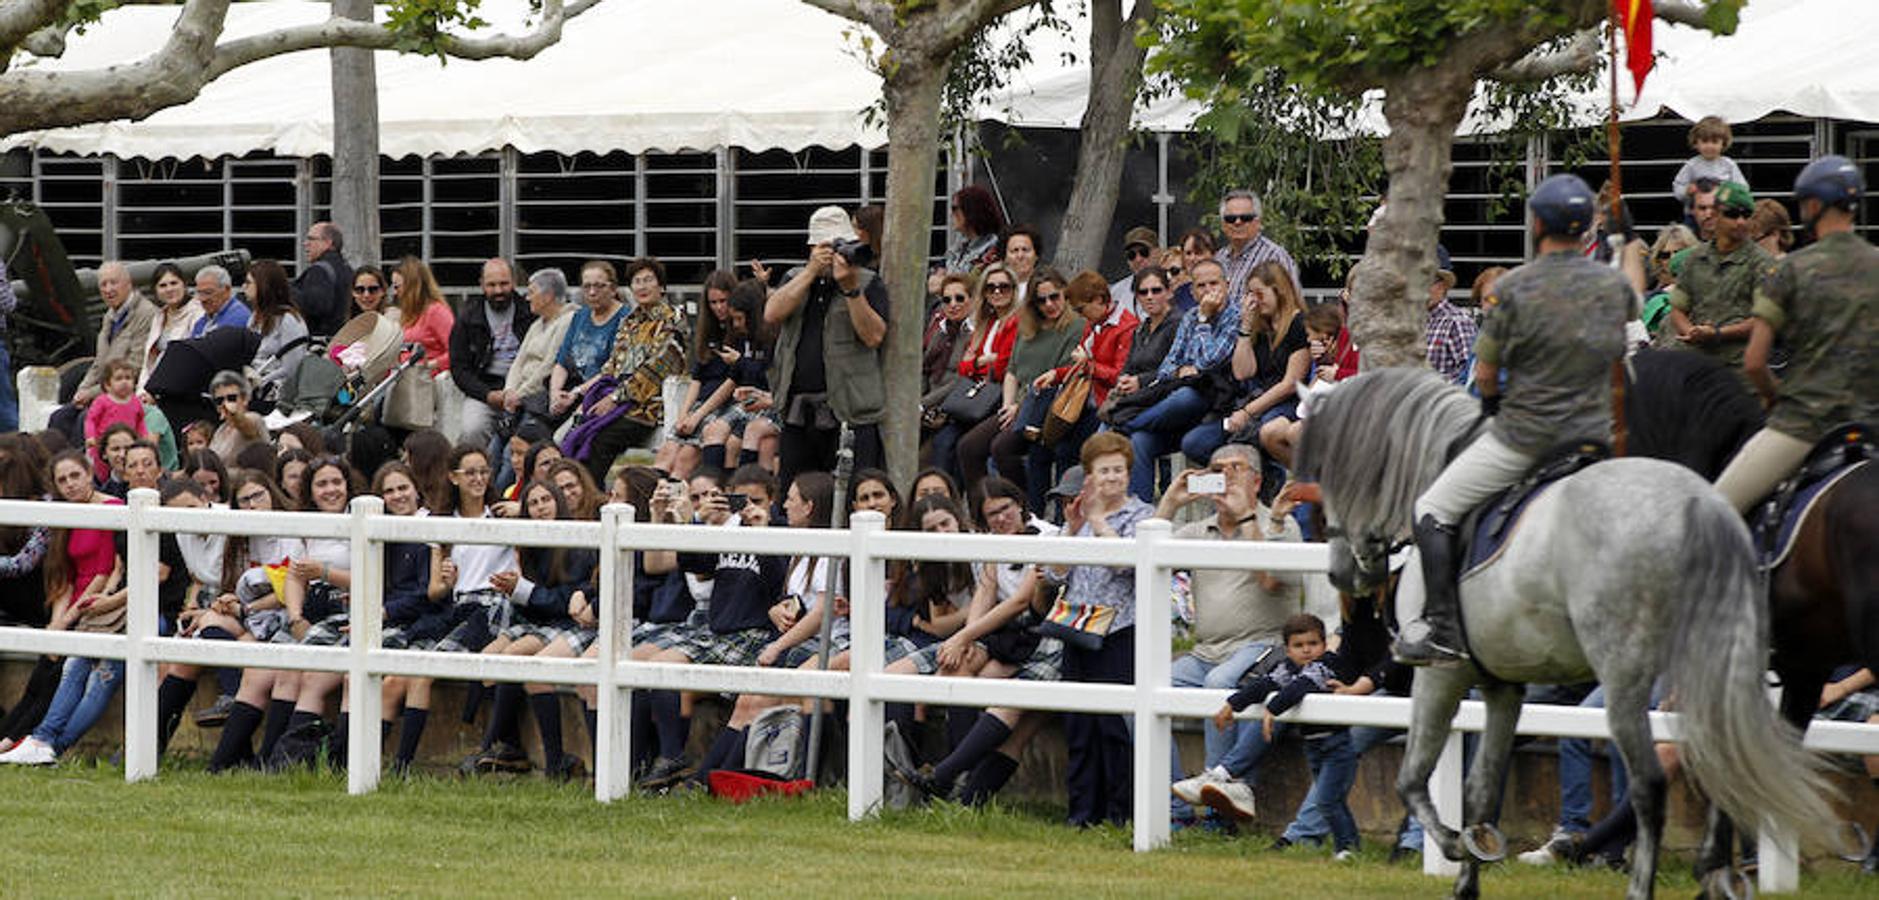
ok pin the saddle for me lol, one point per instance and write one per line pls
(1777, 519)
(1488, 527)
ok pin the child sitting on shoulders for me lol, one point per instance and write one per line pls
(1709, 137)
(1307, 670)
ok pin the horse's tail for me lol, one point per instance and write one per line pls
(1739, 751)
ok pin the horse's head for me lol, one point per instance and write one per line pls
(1359, 563)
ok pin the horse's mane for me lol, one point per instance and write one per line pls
(1376, 441)
(1688, 408)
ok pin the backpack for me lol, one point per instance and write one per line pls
(774, 743)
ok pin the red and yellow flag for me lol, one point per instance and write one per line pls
(1634, 20)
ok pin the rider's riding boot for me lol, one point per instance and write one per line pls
(1435, 639)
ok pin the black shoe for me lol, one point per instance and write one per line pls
(567, 768)
(921, 780)
(1435, 639)
(1280, 845)
(665, 772)
(1398, 854)
(213, 715)
(504, 757)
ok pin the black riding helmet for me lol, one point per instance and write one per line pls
(1563, 205)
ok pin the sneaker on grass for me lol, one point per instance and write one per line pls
(1563, 846)
(213, 715)
(1188, 789)
(30, 752)
(1230, 798)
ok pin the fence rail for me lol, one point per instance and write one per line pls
(1150, 702)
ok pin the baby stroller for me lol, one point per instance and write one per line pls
(325, 385)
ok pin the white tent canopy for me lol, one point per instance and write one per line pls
(667, 75)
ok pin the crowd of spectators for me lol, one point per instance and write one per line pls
(1052, 403)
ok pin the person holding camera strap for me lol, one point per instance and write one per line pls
(831, 315)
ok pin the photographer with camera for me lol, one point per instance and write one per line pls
(831, 319)
(1237, 619)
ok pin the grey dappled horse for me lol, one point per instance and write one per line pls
(1628, 570)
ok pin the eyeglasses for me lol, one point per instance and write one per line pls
(473, 473)
(1155, 291)
(1138, 252)
(1049, 298)
(251, 497)
(1238, 218)
(1736, 212)
(227, 399)
(956, 298)
(368, 289)
(998, 287)
(1003, 509)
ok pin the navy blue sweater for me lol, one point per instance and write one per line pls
(744, 587)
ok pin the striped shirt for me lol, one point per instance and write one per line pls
(1239, 267)
(1449, 338)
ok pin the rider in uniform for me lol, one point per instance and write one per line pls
(1823, 301)
(1553, 328)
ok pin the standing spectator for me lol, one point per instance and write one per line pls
(1238, 614)
(627, 403)
(321, 290)
(831, 317)
(584, 352)
(283, 332)
(176, 314)
(1709, 307)
(117, 405)
(1710, 138)
(1022, 247)
(1448, 336)
(1247, 245)
(126, 331)
(484, 342)
(215, 290)
(1138, 248)
(427, 321)
(978, 222)
(1099, 769)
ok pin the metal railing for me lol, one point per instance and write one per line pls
(1150, 702)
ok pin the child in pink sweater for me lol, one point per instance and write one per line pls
(118, 403)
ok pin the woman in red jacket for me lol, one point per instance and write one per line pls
(1105, 346)
(994, 333)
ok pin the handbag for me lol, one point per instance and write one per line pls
(1067, 407)
(972, 402)
(413, 401)
(1078, 625)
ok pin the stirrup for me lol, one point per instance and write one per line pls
(1425, 650)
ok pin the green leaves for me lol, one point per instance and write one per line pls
(419, 25)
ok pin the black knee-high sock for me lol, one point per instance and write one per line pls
(902, 713)
(746, 457)
(172, 699)
(986, 734)
(473, 700)
(279, 712)
(645, 740)
(384, 732)
(959, 722)
(720, 756)
(411, 731)
(237, 743)
(339, 743)
(712, 456)
(988, 777)
(593, 732)
(547, 709)
(505, 716)
(671, 725)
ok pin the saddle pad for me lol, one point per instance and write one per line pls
(1798, 511)
(1487, 534)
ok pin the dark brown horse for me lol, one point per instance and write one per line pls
(1824, 597)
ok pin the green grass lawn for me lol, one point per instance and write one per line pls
(80, 831)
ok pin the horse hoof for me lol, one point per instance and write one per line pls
(1853, 835)
(1728, 884)
(1484, 842)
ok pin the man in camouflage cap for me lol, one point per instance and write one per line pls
(1709, 307)
(1555, 326)
(1823, 302)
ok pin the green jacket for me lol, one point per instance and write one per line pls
(856, 378)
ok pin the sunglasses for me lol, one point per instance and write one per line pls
(1737, 213)
(368, 289)
(1238, 218)
(1138, 252)
(998, 287)
(228, 399)
(957, 298)
(1151, 291)
(1049, 298)
(1174, 270)
(251, 498)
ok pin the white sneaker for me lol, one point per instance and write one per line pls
(1233, 798)
(1188, 789)
(30, 752)
(1344, 855)
(1557, 848)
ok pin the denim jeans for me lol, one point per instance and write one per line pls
(1575, 775)
(1333, 762)
(1192, 671)
(85, 690)
(1157, 430)
(1311, 825)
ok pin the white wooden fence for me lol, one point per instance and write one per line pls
(867, 545)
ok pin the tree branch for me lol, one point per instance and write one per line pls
(1682, 12)
(972, 15)
(872, 13)
(1582, 53)
(21, 20)
(191, 58)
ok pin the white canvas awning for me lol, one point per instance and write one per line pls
(668, 75)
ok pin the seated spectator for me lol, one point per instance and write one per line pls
(116, 441)
(988, 354)
(1166, 409)
(1852, 695)
(370, 293)
(215, 290)
(1138, 250)
(123, 335)
(239, 427)
(1022, 247)
(731, 356)
(589, 343)
(1662, 272)
(428, 321)
(249, 607)
(1102, 352)
(1047, 336)
(948, 334)
(1448, 336)
(485, 341)
(1771, 228)
(290, 472)
(626, 404)
(283, 331)
(176, 313)
(525, 388)
(1197, 244)
(1246, 244)
(1270, 360)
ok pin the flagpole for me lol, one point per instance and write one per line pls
(1620, 430)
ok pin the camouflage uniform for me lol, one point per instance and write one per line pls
(1718, 288)
(1554, 327)
(1823, 303)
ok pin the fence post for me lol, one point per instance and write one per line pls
(1153, 606)
(867, 622)
(364, 690)
(140, 625)
(613, 744)
(1445, 784)
(1780, 869)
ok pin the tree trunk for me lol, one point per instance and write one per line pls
(1389, 299)
(355, 142)
(913, 118)
(1115, 79)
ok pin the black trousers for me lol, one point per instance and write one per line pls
(1101, 761)
(34, 700)
(612, 441)
(805, 449)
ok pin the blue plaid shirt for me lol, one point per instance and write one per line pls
(1202, 345)
(1448, 339)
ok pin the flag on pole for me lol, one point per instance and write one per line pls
(1634, 18)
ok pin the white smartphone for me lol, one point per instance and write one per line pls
(1207, 483)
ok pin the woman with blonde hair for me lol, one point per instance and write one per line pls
(427, 321)
(1269, 360)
